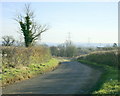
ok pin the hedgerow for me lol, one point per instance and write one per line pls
(108, 64)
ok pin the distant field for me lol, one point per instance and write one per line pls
(107, 62)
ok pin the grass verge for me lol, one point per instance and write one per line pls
(12, 75)
(108, 82)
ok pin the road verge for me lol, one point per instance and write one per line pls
(13, 75)
(108, 82)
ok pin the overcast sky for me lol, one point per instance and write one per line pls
(96, 22)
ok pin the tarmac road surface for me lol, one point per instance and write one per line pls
(69, 78)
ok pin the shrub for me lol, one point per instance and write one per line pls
(21, 56)
(106, 58)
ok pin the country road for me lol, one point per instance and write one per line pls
(69, 78)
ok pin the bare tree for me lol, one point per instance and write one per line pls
(115, 45)
(29, 28)
(8, 41)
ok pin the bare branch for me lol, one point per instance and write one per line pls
(28, 11)
(40, 31)
(8, 40)
(29, 28)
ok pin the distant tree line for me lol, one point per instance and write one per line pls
(68, 49)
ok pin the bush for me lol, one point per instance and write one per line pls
(106, 58)
(21, 56)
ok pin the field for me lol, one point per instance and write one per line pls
(107, 62)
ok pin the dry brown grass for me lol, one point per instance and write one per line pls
(21, 56)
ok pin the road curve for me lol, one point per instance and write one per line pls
(69, 78)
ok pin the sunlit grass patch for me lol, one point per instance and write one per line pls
(111, 87)
(12, 75)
